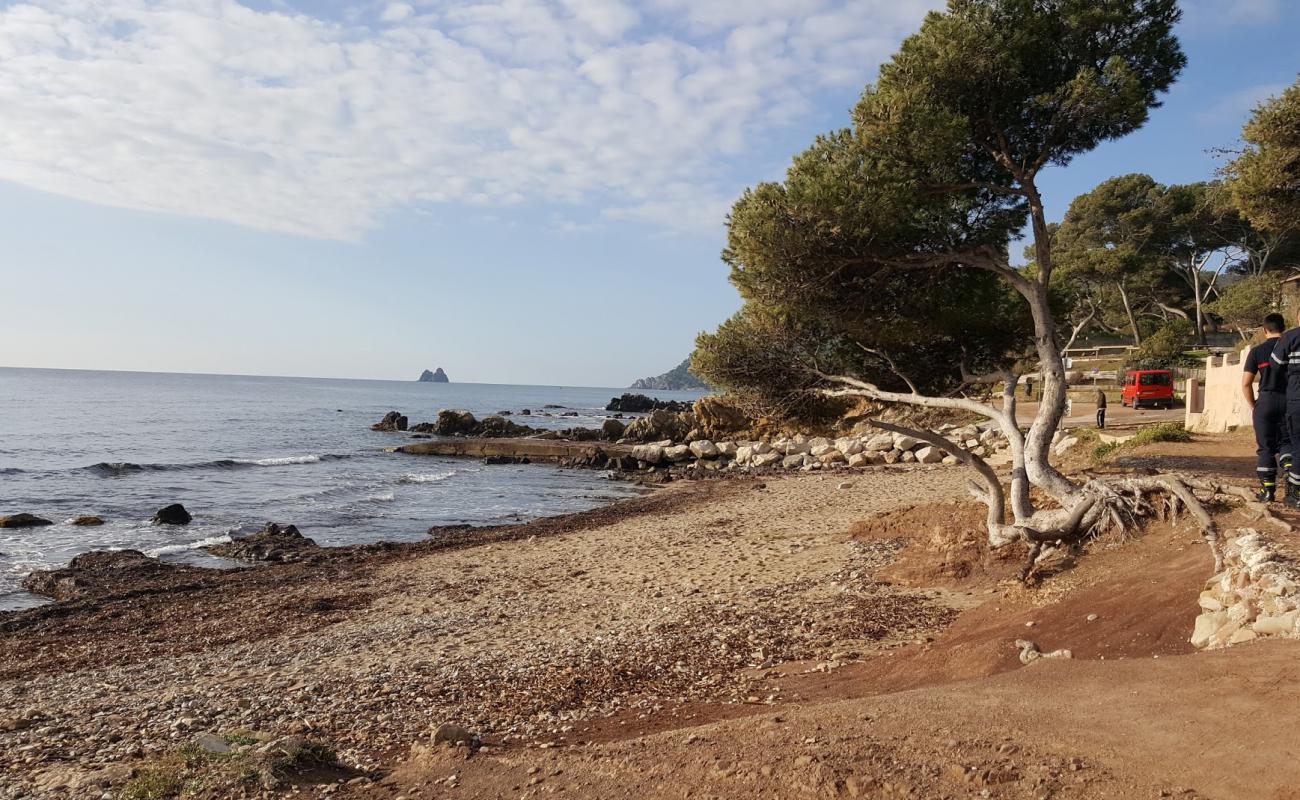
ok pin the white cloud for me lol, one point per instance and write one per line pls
(282, 121)
(1235, 106)
(1218, 14)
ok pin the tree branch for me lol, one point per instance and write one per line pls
(880, 354)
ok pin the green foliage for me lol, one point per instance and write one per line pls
(1244, 304)
(679, 377)
(156, 783)
(1265, 178)
(879, 239)
(1165, 348)
(1163, 432)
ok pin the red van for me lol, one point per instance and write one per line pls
(1153, 388)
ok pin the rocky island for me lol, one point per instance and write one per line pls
(437, 376)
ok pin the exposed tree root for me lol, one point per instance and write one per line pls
(1121, 505)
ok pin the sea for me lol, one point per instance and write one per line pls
(241, 451)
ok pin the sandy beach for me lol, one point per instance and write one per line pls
(802, 635)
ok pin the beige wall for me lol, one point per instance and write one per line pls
(1221, 407)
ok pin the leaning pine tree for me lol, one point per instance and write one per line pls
(890, 241)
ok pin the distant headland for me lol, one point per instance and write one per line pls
(437, 376)
(678, 378)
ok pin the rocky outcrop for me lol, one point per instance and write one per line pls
(639, 403)
(88, 521)
(437, 376)
(103, 572)
(717, 419)
(174, 514)
(392, 421)
(272, 543)
(23, 521)
(679, 378)
(660, 425)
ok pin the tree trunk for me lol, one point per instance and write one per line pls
(1128, 309)
(1196, 293)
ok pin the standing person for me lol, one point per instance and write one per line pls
(1101, 410)
(1271, 409)
(1029, 386)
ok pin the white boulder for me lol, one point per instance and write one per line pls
(929, 455)
(649, 453)
(703, 448)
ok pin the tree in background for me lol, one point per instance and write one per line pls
(1265, 177)
(1114, 238)
(934, 180)
(1244, 304)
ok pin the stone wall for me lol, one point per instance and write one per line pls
(1219, 408)
(1257, 594)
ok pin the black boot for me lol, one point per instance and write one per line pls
(1267, 492)
(1292, 496)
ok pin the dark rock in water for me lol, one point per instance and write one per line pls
(554, 405)
(570, 414)
(439, 530)
(498, 460)
(392, 421)
(505, 413)
(455, 423)
(424, 427)
(174, 514)
(639, 403)
(272, 543)
(88, 521)
(527, 412)
(437, 376)
(102, 572)
(613, 429)
(23, 521)
(421, 436)
(463, 423)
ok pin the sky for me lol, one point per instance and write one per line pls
(518, 191)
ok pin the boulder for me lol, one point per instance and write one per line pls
(23, 521)
(904, 442)
(929, 455)
(677, 453)
(649, 453)
(819, 450)
(792, 461)
(1065, 444)
(703, 448)
(612, 429)
(880, 443)
(765, 459)
(272, 543)
(892, 456)
(761, 448)
(831, 456)
(907, 457)
(819, 441)
(848, 445)
(859, 460)
(729, 449)
(455, 423)
(392, 421)
(743, 454)
(88, 521)
(174, 514)
(950, 461)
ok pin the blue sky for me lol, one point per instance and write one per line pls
(519, 191)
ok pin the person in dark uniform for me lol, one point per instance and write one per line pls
(1101, 409)
(1269, 410)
